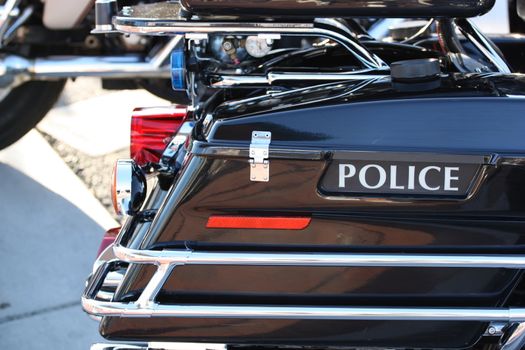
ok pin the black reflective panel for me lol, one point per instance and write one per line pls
(297, 332)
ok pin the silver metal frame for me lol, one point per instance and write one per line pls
(339, 33)
(167, 260)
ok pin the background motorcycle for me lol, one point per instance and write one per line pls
(42, 43)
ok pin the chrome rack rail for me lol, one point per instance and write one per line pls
(167, 260)
(147, 22)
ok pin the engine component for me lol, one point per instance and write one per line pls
(258, 46)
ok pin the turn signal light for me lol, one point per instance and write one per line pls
(151, 131)
(259, 222)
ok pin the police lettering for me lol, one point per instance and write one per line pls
(375, 177)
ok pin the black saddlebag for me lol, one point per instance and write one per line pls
(427, 176)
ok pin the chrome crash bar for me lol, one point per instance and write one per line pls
(168, 260)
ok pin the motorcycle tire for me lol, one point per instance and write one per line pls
(24, 107)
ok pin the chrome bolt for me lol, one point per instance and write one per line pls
(227, 46)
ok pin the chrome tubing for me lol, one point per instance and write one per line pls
(104, 67)
(113, 67)
(15, 69)
(189, 257)
(229, 81)
(168, 260)
(117, 309)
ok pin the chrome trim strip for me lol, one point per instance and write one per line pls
(207, 149)
(229, 81)
(189, 257)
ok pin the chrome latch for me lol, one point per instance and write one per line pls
(259, 154)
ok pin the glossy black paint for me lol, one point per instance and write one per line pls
(467, 115)
(513, 49)
(296, 333)
(340, 8)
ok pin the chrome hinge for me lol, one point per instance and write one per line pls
(259, 154)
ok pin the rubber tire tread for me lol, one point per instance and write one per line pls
(25, 106)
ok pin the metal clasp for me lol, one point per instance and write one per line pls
(259, 154)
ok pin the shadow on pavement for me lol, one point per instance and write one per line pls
(47, 247)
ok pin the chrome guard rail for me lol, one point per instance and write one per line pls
(166, 260)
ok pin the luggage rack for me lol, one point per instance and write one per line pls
(162, 19)
(167, 260)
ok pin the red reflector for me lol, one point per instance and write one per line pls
(151, 131)
(109, 238)
(259, 222)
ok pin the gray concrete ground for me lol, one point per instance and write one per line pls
(51, 228)
(51, 223)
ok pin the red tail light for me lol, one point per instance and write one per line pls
(259, 222)
(151, 131)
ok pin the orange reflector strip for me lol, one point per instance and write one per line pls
(259, 222)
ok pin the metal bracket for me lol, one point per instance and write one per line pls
(259, 154)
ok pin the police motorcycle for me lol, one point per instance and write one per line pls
(323, 189)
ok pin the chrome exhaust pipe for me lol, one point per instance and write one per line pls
(15, 69)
